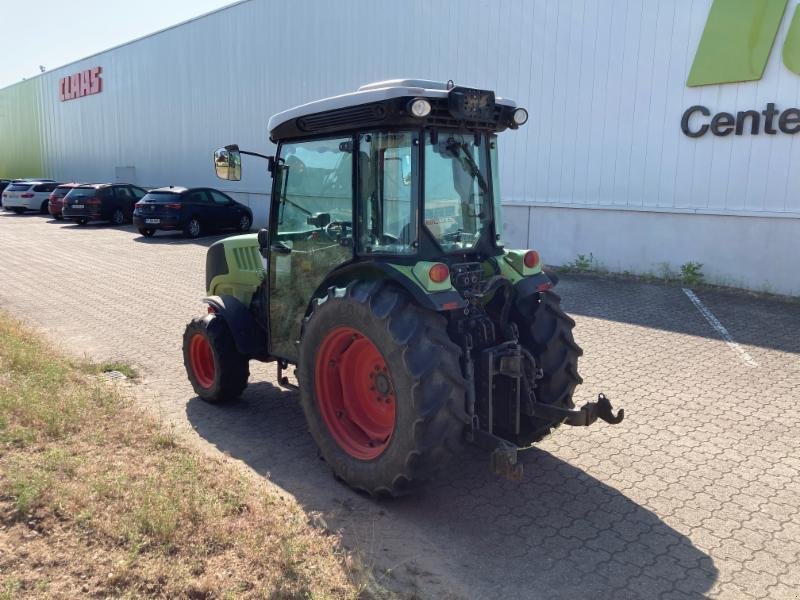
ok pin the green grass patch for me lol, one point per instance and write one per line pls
(116, 505)
(120, 367)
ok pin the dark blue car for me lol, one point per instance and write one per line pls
(192, 210)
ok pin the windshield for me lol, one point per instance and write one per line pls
(457, 209)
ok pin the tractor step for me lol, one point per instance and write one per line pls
(585, 416)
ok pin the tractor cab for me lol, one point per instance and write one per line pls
(395, 175)
(384, 278)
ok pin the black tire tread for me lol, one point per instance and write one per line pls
(432, 360)
(548, 336)
(232, 368)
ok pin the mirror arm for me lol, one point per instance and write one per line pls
(270, 159)
(255, 154)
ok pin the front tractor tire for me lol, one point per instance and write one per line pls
(215, 367)
(381, 387)
(546, 331)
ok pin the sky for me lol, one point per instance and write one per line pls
(52, 33)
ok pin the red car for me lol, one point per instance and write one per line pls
(56, 200)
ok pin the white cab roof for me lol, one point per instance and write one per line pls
(371, 92)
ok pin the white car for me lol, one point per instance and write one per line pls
(20, 196)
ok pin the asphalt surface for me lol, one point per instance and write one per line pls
(696, 494)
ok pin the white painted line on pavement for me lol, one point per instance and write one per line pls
(714, 322)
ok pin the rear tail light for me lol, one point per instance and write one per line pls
(137, 205)
(174, 206)
(531, 259)
(439, 273)
(93, 201)
(26, 196)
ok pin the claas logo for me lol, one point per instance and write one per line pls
(81, 84)
(738, 39)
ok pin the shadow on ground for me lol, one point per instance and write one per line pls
(751, 319)
(559, 533)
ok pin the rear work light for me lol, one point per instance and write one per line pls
(439, 273)
(419, 107)
(531, 259)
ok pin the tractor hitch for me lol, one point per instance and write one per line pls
(588, 413)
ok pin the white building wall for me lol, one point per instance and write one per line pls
(602, 166)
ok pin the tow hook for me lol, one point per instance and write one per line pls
(588, 413)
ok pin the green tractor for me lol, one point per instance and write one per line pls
(383, 278)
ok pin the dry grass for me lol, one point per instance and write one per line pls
(98, 499)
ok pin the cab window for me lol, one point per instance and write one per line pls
(316, 179)
(386, 212)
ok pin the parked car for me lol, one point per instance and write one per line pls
(101, 202)
(191, 210)
(3, 185)
(56, 200)
(22, 195)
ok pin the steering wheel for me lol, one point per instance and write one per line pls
(336, 231)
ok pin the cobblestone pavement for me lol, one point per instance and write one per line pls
(695, 494)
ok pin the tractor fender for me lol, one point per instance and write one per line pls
(527, 289)
(374, 271)
(533, 284)
(249, 335)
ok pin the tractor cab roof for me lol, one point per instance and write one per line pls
(388, 104)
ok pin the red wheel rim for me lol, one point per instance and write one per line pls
(202, 360)
(355, 393)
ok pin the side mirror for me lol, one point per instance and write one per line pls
(228, 163)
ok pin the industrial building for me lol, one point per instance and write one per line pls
(660, 133)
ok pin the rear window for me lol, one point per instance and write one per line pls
(45, 187)
(82, 193)
(19, 187)
(161, 197)
(62, 191)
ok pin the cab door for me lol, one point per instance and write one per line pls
(311, 231)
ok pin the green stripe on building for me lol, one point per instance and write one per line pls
(791, 47)
(736, 42)
(21, 149)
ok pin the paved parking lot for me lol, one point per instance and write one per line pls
(696, 494)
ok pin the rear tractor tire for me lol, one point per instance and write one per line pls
(546, 331)
(381, 387)
(215, 367)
